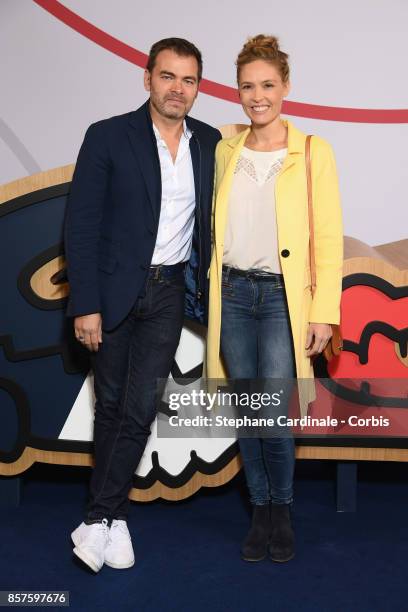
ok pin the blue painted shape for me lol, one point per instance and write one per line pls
(24, 234)
(9, 422)
(50, 390)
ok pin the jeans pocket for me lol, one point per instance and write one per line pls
(274, 288)
(175, 282)
(227, 289)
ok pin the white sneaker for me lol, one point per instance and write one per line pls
(79, 534)
(119, 551)
(90, 543)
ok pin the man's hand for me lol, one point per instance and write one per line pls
(318, 335)
(88, 330)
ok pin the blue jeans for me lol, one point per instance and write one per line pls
(127, 366)
(256, 343)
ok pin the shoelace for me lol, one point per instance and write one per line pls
(100, 529)
(120, 527)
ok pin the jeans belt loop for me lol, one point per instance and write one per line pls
(227, 274)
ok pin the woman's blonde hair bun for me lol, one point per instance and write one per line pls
(264, 47)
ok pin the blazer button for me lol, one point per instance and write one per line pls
(285, 253)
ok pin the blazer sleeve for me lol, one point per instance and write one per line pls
(328, 233)
(83, 221)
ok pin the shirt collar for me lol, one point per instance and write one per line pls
(187, 133)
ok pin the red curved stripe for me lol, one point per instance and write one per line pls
(297, 109)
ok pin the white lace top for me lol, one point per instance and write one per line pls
(251, 240)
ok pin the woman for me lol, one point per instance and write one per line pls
(262, 315)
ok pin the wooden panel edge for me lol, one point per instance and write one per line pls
(376, 267)
(33, 455)
(351, 453)
(192, 486)
(35, 182)
(158, 490)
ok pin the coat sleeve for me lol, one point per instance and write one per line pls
(83, 220)
(328, 234)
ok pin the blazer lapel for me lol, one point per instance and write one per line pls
(196, 161)
(144, 147)
(296, 147)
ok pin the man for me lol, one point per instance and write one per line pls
(138, 249)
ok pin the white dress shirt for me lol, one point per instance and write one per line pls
(176, 223)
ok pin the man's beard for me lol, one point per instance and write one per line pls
(162, 109)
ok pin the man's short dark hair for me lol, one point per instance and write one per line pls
(178, 45)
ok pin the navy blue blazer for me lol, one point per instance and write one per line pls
(113, 215)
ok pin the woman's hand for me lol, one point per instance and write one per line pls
(318, 335)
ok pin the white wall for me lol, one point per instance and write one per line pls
(55, 81)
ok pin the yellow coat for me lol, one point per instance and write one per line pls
(293, 235)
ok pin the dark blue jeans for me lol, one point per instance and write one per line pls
(256, 343)
(127, 366)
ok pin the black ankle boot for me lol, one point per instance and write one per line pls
(255, 545)
(282, 543)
